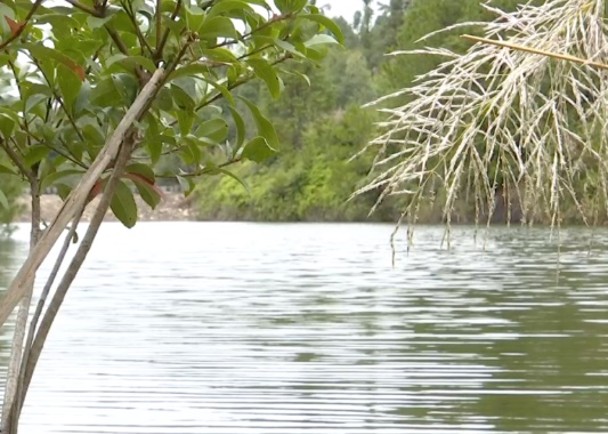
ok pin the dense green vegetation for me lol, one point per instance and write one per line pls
(10, 192)
(322, 124)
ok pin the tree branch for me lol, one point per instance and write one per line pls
(158, 55)
(17, 159)
(22, 27)
(78, 259)
(77, 197)
(142, 39)
(84, 8)
(159, 23)
(141, 75)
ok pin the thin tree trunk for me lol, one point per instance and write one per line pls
(17, 347)
(33, 352)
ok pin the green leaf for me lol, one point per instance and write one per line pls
(4, 200)
(95, 23)
(153, 140)
(265, 127)
(290, 6)
(69, 85)
(215, 130)
(127, 86)
(83, 99)
(105, 93)
(130, 62)
(193, 69)
(164, 100)
(181, 99)
(226, 93)
(258, 149)
(194, 17)
(328, 23)
(123, 205)
(239, 123)
(220, 54)
(7, 125)
(142, 170)
(185, 119)
(222, 171)
(220, 8)
(155, 148)
(6, 11)
(190, 153)
(52, 178)
(290, 48)
(267, 73)
(214, 27)
(149, 194)
(187, 184)
(6, 170)
(320, 39)
(42, 53)
(35, 154)
(144, 179)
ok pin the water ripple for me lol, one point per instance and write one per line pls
(246, 328)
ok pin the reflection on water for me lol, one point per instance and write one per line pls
(247, 328)
(8, 262)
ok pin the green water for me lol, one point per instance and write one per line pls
(253, 328)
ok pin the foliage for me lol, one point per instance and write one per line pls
(76, 89)
(501, 123)
(310, 183)
(10, 191)
(320, 125)
(100, 95)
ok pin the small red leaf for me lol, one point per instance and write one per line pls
(96, 190)
(14, 25)
(78, 70)
(136, 177)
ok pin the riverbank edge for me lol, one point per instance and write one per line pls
(172, 207)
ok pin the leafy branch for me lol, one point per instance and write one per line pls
(21, 27)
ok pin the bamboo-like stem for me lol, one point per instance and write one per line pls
(531, 50)
(76, 262)
(18, 347)
(21, 392)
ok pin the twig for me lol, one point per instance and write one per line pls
(22, 27)
(158, 55)
(84, 8)
(142, 39)
(531, 50)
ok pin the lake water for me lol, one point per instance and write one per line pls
(195, 328)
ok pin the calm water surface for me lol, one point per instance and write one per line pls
(287, 329)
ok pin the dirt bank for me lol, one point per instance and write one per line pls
(172, 207)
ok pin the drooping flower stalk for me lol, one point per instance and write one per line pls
(519, 119)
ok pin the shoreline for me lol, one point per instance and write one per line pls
(172, 207)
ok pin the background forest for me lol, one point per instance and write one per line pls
(321, 121)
